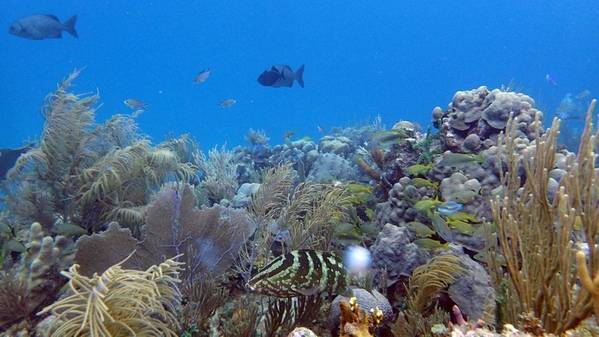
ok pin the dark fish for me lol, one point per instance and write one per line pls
(281, 75)
(8, 158)
(43, 26)
(301, 273)
(202, 76)
(550, 79)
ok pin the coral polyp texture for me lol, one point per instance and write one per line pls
(485, 226)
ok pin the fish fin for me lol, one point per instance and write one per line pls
(310, 291)
(299, 75)
(69, 26)
(53, 17)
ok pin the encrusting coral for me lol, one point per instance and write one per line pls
(119, 303)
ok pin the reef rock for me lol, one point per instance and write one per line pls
(459, 188)
(335, 144)
(394, 251)
(244, 195)
(473, 290)
(367, 301)
(329, 167)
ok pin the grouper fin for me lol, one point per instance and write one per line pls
(299, 75)
(69, 26)
(310, 291)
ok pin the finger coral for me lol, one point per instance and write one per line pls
(35, 281)
(118, 303)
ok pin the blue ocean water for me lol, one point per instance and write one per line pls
(396, 59)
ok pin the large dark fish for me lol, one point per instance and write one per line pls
(301, 273)
(43, 26)
(8, 158)
(281, 75)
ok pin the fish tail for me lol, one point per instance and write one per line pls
(299, 75)
(69, 26)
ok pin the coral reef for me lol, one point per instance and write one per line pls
(487, 223)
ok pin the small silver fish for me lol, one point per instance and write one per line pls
(227, 103)
(449, 208)
(68, 229)
(135, 104)
(202, 76)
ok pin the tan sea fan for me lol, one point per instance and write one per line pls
(120, 302)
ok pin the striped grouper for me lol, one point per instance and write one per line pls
(301, 273)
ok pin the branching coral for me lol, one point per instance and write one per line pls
(118, 185)
(220, 174)
(425, 284)
(284, 314)
(535, 233)
(85, 173)
(55, 163)
(120, 302)
(202, 297)
(311, 213)
(266, 205)
(36, 280)
(244, 318)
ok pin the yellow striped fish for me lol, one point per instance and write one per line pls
(301, 273)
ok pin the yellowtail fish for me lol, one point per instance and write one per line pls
(68, 229)
(421, 182)
(301, 273)
(451, 159)
(431, 244)
(420, 229)
(202, 76)
(419, 170)
(227, 103)
(135, 104)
